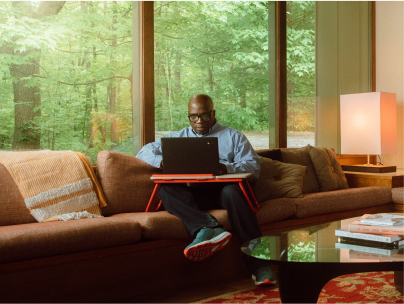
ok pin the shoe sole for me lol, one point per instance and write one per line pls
(203, 250)
(265, 283)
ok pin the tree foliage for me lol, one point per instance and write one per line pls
(84, 60)
(221, 49)
(216, 48)
(75, 59)
(301, 65)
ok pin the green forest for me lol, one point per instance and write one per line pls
(221, 49)
(66, 69)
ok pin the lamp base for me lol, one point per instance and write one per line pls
(369, 169)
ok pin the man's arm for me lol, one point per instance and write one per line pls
(151, 154)
(246, 160)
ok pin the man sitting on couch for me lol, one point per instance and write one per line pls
(236, 155)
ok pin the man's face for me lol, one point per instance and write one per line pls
(198, 108)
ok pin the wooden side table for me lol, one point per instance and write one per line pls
(363, 179)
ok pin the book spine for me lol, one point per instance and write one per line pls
(370, 243)
(363, 248)
(376, 229)
(363, 236)
(372, 256)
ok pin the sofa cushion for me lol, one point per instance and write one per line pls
(278, 179)
(341, 200)
(159, 225)
(126, 182)
(163, 225)
(12, 207)
(328, 170)
(301, 157)
(36, 240)
(398, 195)
(276, 210)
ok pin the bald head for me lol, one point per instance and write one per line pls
(201, 104)
(200, 100)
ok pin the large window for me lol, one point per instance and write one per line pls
(69, 79)
(216, 48)
(66, 76)
(226, 50)
(301, 78)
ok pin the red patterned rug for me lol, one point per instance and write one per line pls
(366, 287)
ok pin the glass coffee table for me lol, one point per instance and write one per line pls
(307, 258)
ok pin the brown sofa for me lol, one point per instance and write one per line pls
(133, 256)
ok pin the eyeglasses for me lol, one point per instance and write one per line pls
(204, 116)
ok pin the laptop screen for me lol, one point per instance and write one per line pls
(190, 155)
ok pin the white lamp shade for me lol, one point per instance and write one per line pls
(368, 123)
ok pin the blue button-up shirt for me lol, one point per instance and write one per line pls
(235, 151)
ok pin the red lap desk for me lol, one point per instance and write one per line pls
(203, 178)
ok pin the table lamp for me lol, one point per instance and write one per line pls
(368, 126)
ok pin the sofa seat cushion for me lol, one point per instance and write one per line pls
(36, 240)
(157, 225)
(163, 225)
(341, 200)
(276, 210)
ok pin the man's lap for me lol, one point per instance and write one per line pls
(206, 196)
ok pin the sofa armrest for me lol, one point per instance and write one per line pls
(398, 195)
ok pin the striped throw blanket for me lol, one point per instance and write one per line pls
(55, 185)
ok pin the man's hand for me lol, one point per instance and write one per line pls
(161, 164)
(222, 168)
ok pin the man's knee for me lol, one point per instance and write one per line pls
(232, 197)
(231, 191)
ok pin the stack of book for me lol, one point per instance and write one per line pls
(374, 236)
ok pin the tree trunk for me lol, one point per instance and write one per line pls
(27, 134)
(113, 83)
(290, 109)
(95, 98)
(112, 110)
(89, 107)
(177, 72)
(243, 99)
(169, 91)
(87, 62)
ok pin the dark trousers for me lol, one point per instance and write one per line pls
(188, 203)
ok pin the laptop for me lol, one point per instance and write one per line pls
(190, 155)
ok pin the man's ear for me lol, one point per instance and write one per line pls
(214, 113)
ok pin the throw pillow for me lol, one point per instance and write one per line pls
(301, 157)
(278, 179)
(274, 154)
(328, 170)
